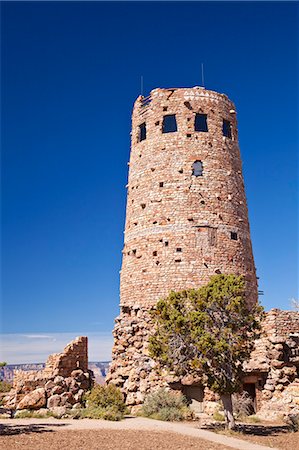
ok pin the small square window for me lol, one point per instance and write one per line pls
(166, 243)
(227, 129)
(179, 249)
(197, 169)
(161, 184)
(142, 132)
(233, 236)
(155, 253)
(200, 123)
(169, 124)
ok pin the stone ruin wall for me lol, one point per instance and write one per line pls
(61, 384)
(274, 365)
(178, 226)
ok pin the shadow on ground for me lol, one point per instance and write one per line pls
(10, 430)
(252, 429)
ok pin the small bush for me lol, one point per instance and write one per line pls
(33, 414)
(218, 416)
(5, 387)
(166, 405)
(104, 402)
(242, 405)
(292, 420)
(253, 419)
(92, 412)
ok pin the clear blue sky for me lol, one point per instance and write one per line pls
(70, 74)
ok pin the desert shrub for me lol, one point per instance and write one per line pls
(218, 416)
(97, 412)
(5, 386)
(104, 402)
(26, 414)
(253, 419)
(166, 405)
(292, 420)
(242, 405)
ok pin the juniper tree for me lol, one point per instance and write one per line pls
(208, 332)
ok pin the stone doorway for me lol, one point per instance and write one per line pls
(194, 395)
(250, 388)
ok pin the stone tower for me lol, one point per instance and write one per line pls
(186, 217)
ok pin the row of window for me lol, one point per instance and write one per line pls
(169, 125)
(233, 236)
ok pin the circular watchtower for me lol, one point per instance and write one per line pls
(186, 214)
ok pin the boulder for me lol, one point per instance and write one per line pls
(59, 380)
(57, 390)
(78, 374)
(67, 398)
(49, 386)
(58, 411)
(34, 400)
(53, 401)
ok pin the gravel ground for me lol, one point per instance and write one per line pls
(41, 439)
(283, 441)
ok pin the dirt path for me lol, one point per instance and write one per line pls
(129, 434)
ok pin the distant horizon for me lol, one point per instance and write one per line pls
(28, 348)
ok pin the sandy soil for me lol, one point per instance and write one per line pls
(270, 435)
(41, 439)
(284, 441)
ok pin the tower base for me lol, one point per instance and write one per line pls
(132, 369)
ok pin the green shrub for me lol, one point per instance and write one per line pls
(218, 416)
(166, 405)
(253, 419)
(104, 402)
(25, 414)
(5, 387)
(92, 412)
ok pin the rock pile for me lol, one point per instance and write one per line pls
(60, 386)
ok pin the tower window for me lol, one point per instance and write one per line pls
(169, 124)
(197, 169)
(142, 132)
(155, 253)
(233, 236)
(161, 184)
(227, 129)
(200, 123)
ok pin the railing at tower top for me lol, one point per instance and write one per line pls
(144, 104)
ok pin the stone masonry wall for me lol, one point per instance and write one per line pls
(60, 385)
(274, 365)
(178, 226)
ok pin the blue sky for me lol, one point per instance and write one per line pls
(70, 74)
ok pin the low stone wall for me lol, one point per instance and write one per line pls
(62, 383)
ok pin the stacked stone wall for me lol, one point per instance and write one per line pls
(178, 225)
(274, 365)
(61, 384)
